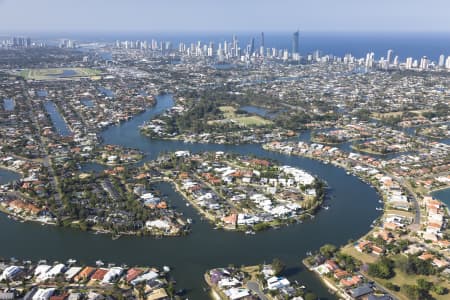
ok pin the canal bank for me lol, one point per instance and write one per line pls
(352, 210)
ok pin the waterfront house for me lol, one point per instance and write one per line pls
(132, 274)
(350, 281)
(99, 275)
(84, 274)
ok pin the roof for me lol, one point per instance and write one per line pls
(99, 274)
(361, 290)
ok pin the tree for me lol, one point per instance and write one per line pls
(383, 268)
(328, 250)
(310, 296)
(440, 290)
(411, 291)
(277, 266)
(392, 287)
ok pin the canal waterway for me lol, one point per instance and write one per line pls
(352, 210)
(7, 176)
(58, 122)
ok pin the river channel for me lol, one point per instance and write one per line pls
(352, 209)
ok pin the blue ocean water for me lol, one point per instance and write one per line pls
(404, 44)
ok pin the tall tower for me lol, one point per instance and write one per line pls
(252, 46)
(389, 55)
(295, 42)
(262, 40)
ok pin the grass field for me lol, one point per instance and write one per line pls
(58, 73)
(229, 113)
(401, 278)
(396, 114)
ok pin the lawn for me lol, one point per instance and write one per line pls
(57, 73)
(396, 114)
(364, 257)
(229, 113)
(401, 278)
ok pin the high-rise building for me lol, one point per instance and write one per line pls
(447, 62)
(252, 46)
(396, 61)
(424, 63)
(389, 56)
(295, 42)
(262, 40)
(441, 61)
(369, 59)
(409, 63)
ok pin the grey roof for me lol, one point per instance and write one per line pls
(361, 290)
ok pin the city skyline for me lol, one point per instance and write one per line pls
(201, 15)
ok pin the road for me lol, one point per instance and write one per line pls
(254, 286)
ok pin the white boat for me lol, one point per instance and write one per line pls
(326, 207)
(99, 263)
(166, 269)
(250, 232)
(187, 204)
(189, 220)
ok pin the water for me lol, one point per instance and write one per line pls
(443, 195)
(445, 141)
(262, 112)
(42, 93)
(58, 122)
(87, 102)
(404, 44)
(7, 176)
(65, 73)
(106, 92)
(352, 210)
(8, 104)
(92, 167)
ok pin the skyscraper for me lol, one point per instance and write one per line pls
(295, 42)
(262, 40)
(252, 46)
(389, 55)
(441, 61)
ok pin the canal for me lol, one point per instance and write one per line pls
(352, 210)
(58, 121)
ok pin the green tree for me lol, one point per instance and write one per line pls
(311, 296)
(278, 266)
(383, 268)
(328, 250)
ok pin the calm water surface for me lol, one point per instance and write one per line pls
(352, 210)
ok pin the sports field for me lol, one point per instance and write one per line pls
(58, 73)
(229, 113)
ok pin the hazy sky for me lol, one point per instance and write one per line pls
(224, 15)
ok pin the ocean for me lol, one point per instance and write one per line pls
(404, 44)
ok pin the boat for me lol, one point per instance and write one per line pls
(379, 208)
(187, 204)
(250, 232)
(189, 220)
(326, 207)
(166, 269)
(99, 263)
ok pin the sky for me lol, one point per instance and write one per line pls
(223, 15)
